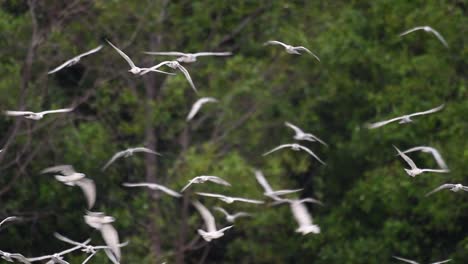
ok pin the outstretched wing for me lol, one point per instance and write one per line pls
(129, 61)
(406, 158)
(411, 30)
(165, 53)
(198, 104)
(63, 169)
(147, 150)
(300, 213)
(63, 110)
(111, 237)
(312, 154)
(308, 51)
(115, 157)
(439, 36)
(383, 123)
(218, 180)
(187, 76)
(220, 209)
(89, 189)
(275, 42)
(277, 148)
(61, 66)
(206, 215)
(430, 111)
(295, 128)
(262, 181)
(198, 54)
(443, 186)
(245, 200)
(90, 51)
(406, 260)
(17, 113)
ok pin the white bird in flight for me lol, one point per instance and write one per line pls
(154, 186)
(268, 190)
(205, 178)
(279, 200)
(295, 147)
(212, 232)
(291, 49)
(414, 169)
(231, 217)
(75, 60)
(198, 104)
(57, 257)
(304, 219)
(127, 153)
(414, 262)
(427, 29)
(440, 161)
(109, 234)
(453, 187)
(174, 65)
(133, 68)
(228, 199)
(38, 115)
(189, 57)
(301, 135)
(405, 118)
(72, 178)
(89, 249)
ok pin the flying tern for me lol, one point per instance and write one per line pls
(154, 186)
(231, 217)
(295, 147)
(427, 29)
(440, 161)
(291, 49)
(127, 153)
(229, 200)
(109, 234)
(414, 169)
(38, 115)
(405, 118)
(212, 232)
(453, 187)
(301, 135)
(198, 104)
(189, 57)
(72, 178)
(75, 60)
(205, 178)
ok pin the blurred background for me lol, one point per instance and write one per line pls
(367, 73)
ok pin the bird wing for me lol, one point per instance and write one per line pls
(61, 66)
(438, 108)
(295, 128)
(197, 105)
(406, 260)
(310, 200)
(300, 213)
(284, 192)
(63, 169)
(18, 113)
(166, 53)
(188, 184)
(441, 187)
(116, 156)
(436, 170)
(275, 42)
(147, 150)
(206, 215)
(90, 52)
(153, 68)
(383, 123)
(435, 153)
(277, 148)
(308, 51)
(240, 214)
(245, 200)
(8, 219)
(443, 261)
(217, 208)
(187, 75)
(129, 61)
(67, 240)
(63, 110)
(439, 36)
(89, 189)
(262, 181)
(211, 195)
(111, 237)
(218, 180)
(317, 139)
(406, 158)
(411, 30)
(312, 154)
(212, 54)
(166, 190)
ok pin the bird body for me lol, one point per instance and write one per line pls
(109, 234)
(452, 187)
(231, 217)
(304, 219)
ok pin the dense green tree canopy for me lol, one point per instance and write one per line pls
(367, 73)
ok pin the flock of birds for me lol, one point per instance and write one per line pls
(67, 175)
